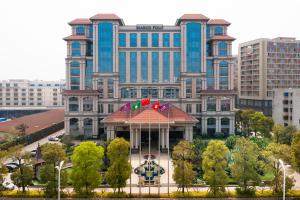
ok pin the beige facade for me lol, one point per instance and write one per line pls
(24, 93)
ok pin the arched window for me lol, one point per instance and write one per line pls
(88, 104)
(73, 104)
(87, 127)
(225, 123)
(222, 46)
(218, 30)
(80, 30)
(75, 49)
(211, 126)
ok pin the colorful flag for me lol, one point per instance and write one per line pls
(136, 105)
(145, 102)
(156, 106)
(164, 107)
(126, 107)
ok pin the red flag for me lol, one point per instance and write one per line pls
(156, 106)
(145, 102)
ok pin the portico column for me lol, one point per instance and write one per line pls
(131, 138)
(107, 133)
(168, 137)
(203, 125)
(218, 125)
(112, 132)
(191, 133)
(67, 126)
(163, 138)
(136, 138)
(231, 126)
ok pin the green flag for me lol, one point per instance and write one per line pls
(136, 105)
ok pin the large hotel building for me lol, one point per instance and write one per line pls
(188, 64)
(264, 65)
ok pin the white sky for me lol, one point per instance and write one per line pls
(31, 45)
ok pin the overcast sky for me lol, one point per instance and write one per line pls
(31, 45)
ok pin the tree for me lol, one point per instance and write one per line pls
(199, 146)
(245, 157)
(22, 129)
(231, 141)
(296, 151)
(52, 154)
(272, 153)
(3, 170)
(259, 123)
(119, 170)
(87, 161)
(277, 131)
(183, 155)
(24, 175)
(242, 120)
(214, 164)
(283, 135)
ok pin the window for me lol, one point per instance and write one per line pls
(144, 39)
(189, 108)
(170, 93)
(166, 39)
(286, 94)
(166, 66)
(155, 61)
(89, 49)
(80, 30)
(155, 39)
(218, 30)
(222, 46)
(133, 67)
(144, 66)
(105, 47)
(122, 66)
(128, 93)
(73, 104)
(198, 87)
(177, 64)
(89, 74)
(223, 68)
(122, 39)
(225, 104)
(211, 104)
(188, 89)
(100, 87)
(88, 104)
(210, 75)
(193, 47)
(149, 93)
(75, 49)
(110, 108)
(110, 89)
(100, 107)
(176, 40)
(198, 108)
(133, 40)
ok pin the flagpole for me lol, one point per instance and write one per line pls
(158, 156)
(140, 171)
(168, 145)
(130, 151)
(149, 156)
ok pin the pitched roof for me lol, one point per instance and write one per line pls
(222, 37)
(76, 37)
(191, 17)
(107, 16)
(80, 21)
(80, 92)
(144, 115)
(218, 22)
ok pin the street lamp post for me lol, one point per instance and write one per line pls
(59, 167)
(283, 167)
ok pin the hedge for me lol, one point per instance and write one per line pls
(28, 139)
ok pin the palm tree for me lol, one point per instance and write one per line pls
(22, 129)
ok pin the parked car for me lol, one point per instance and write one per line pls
(33, 153)
(11, 167)
(8, 186)
(53, 139)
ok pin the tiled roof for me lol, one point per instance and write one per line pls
(222, 37)
(35, 122)
(107, 16)
(76, 37)
(191, 17)
(80, 21)
(80, 92)
(144, 115)
(218, 22)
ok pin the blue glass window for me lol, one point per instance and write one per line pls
(155, 61)
(80, 30)
(166, 39)
(176, 40)
(144, 66)
(223, 83)
(75, 81)
(155, 39)
(122, 39)
(166, 66)
(122, 66)
(88, 74)
(207, 32)
(105, 47)
(208, 49)
(133, 67)
(75, 68)
(89, 49)
(177, 64)
(193, 47)
(210, 74)
(90, 31)
(132, 39)
(76, 49)
(218, 30)
(144, 39)
(222, 46)
(223, 68)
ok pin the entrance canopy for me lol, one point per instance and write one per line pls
(149, 116)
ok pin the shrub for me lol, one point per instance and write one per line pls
(249, 192)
